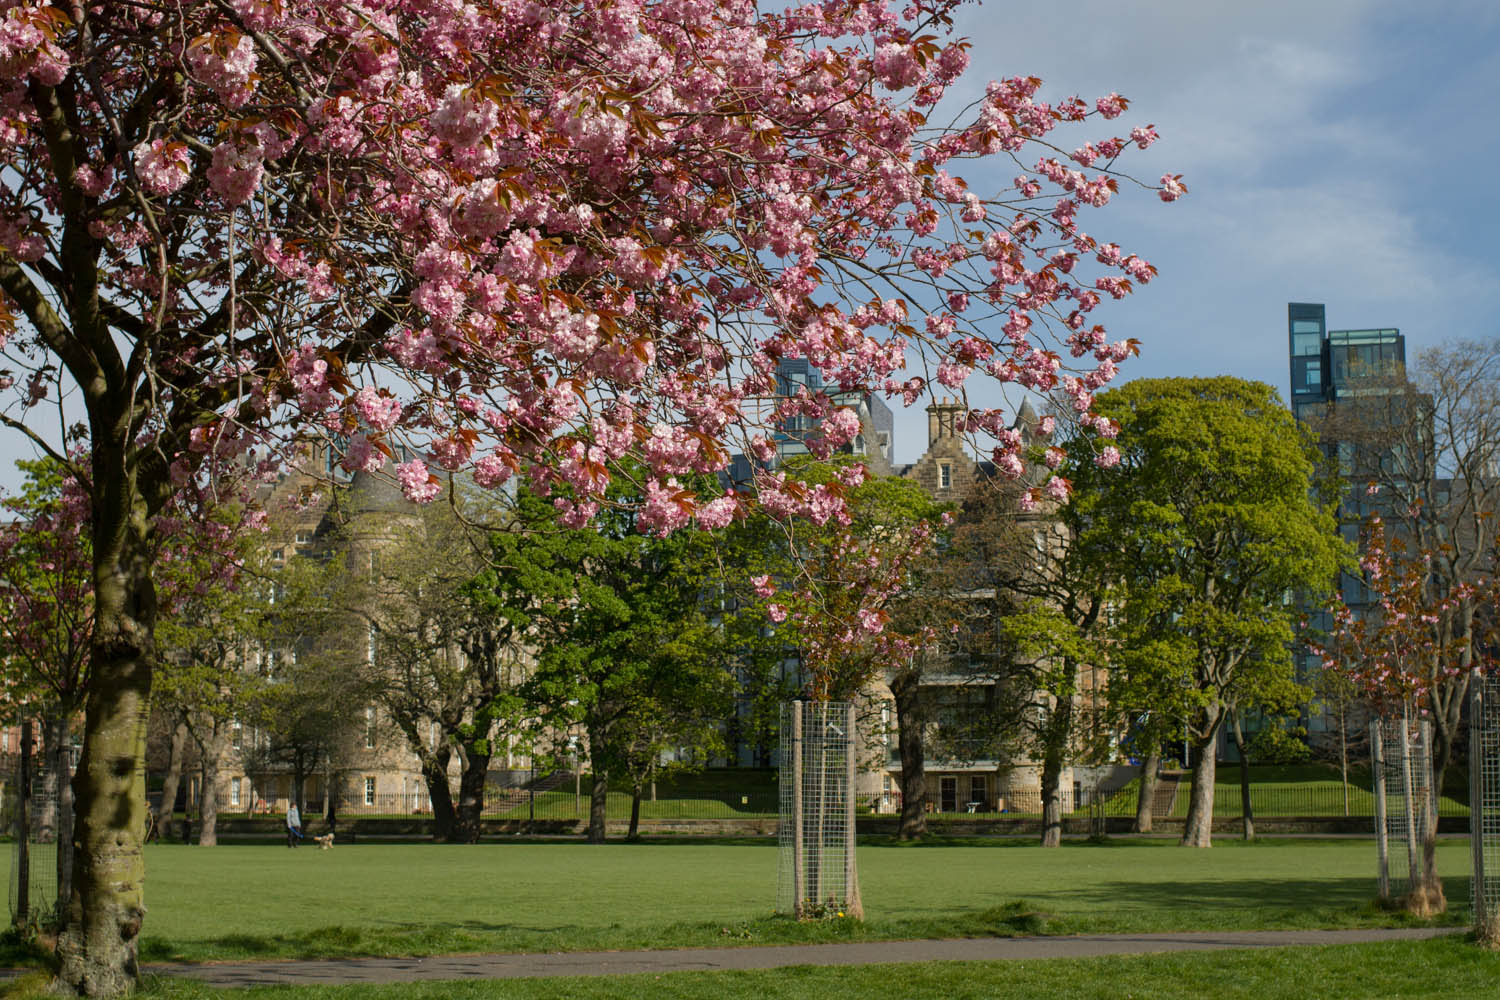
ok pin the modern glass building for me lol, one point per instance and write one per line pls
(1329, 365)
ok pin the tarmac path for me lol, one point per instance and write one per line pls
(353, 971)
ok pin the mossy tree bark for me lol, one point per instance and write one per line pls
(59, 790)
(98, 950)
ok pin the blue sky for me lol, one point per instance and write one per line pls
(1336, 151)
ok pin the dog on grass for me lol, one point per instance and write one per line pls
(325, 842)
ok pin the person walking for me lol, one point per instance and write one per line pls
(293, 824)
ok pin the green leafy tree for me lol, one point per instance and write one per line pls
(633, 631)
(449, 642)
(1212, 514)
(47, 623)
(304, 705)
(202, 679)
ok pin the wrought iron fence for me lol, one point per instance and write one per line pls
(1268, 800)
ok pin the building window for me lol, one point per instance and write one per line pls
(1314, 374)
(432, 736)
(977, 791)
(234, 791)
(945, 475)
(369, 727)
(369, 791)
(1346, 458)
(237, 735)
(1304, 344)
(370, 645)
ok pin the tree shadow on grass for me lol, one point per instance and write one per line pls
(1311, 902)
(342, 941)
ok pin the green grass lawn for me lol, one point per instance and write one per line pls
(251, 901)
(1297, 790)
(1430, 970)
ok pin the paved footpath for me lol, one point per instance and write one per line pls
(350, 971)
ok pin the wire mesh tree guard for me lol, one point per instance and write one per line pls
(816, 875)
(1484, 804)
(1404, 804)
(33, 821)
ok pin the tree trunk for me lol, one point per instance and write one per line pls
(208, 801)
(1145, 803)
(599, 796)
(299, 781)
(1247, 814)
(44, 827)
(173, 779)
(471, 779)
(635, 814)
(24, 789)
(1199, 829)
(1427, 898)
(435, 773)
(909, 732)
(98, 950)
(1344, 754)
(1054, 757)
(59, 770)
(598, 800)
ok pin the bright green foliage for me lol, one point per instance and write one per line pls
(46, 593)
(302, 708)
(204, 647)
(629, 647)
(1215, 526)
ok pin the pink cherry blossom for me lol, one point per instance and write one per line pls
(162, 166)
(418, 485)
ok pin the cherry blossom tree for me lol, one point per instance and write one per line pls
(47, 621)
(47, 609)
(1409, 651)
(513, 238)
